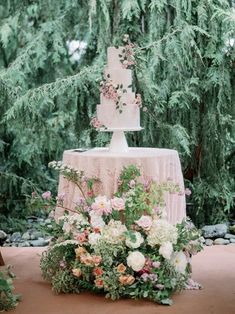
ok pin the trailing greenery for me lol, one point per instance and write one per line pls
(8, 300)
(185, 73)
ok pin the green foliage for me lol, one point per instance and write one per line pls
(8, 300)
(185, 73)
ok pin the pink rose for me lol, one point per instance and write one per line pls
(145, 222)
(118, 203)
(46, 195)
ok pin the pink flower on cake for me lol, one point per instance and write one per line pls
(132, 184)
(145, 222)
(188, 192)
(118, 203)
(46, 195)
(102, 205)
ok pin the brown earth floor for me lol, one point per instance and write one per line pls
(214, 268)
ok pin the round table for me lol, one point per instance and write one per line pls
(159, 164)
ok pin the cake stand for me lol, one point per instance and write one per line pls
(118, 142)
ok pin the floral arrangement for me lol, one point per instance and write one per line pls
(127, 56)
(123, 246)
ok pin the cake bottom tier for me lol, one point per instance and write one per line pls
(110, 117)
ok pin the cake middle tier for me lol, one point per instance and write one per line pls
(111, 118)
(126, 98)
(119, 76)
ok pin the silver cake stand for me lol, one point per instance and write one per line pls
(118, 142)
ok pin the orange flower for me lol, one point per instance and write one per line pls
(99, 283)
(121, 268)
(126, 280)
(79, 251)
(96, 259)
(77, 272)
(86, 259)
(97, 271)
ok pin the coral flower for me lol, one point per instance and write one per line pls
(96, 259)
(86, 259)
(99, 283)
(97, 271)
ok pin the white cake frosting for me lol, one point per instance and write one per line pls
(127, 115)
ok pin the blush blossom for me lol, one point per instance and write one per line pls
(145, 222)
(102, 206)
(188, 192)
(46, 195)
(118, 203)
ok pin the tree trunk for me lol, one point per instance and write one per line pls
(1, 260)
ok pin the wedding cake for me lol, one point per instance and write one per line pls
(119, 107)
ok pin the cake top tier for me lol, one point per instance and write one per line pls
(114, 56)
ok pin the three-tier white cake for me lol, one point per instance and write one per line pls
(118, 108)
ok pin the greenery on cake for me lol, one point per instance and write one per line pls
(123, 246)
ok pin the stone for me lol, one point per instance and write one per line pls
(209, 242)
(26, 236)
(35, 235)
(221, 241)
(24, 244)
(3, 235)
(16, 237)
(232, 241)
(48, 221)
(215, 231)
(229, 236)
(39, 242)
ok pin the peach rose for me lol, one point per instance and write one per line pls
(97, 271)
(99, 283)
(121, 268)
(80, 251)
(86, 259)
(77, 272)
(126, 280)
(96, 259)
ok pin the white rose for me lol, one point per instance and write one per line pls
(138, 241)
(166, 250)
(136, 260)
(93, 238)
(179, 260)
(118, 203)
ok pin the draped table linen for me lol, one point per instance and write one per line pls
(159, 164)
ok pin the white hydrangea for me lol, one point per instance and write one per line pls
(93, 238)
(113, 232)
(166, 250)
(96, 221)
(138, 241)
(161, 232)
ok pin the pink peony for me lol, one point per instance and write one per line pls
(188, 192)
(118, 203)
(101, 205)
(145, 222)
(46, 195)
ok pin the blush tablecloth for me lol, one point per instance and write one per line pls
(159, 164)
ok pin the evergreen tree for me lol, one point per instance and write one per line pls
(185, 73)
